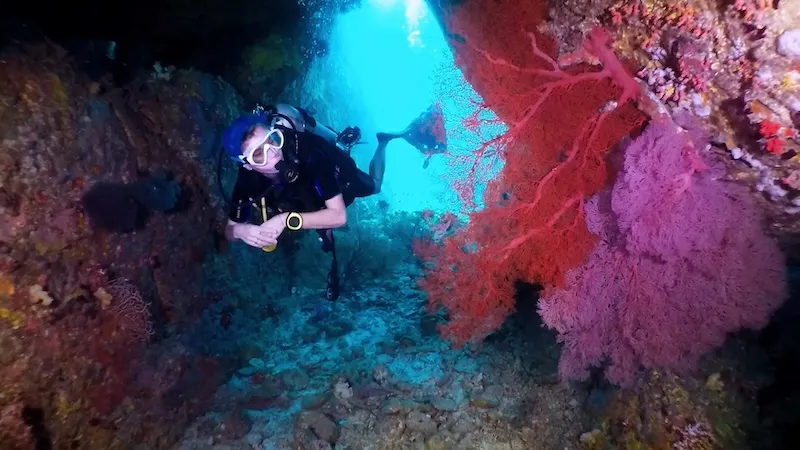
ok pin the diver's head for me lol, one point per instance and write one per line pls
(263, 144)
(262, 149)
(250, 141)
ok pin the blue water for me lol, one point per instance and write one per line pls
(394, 63)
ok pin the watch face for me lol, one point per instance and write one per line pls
(294, 221)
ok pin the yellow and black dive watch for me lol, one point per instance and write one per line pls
(294, 221)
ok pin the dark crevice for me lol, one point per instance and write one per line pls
(34, 418)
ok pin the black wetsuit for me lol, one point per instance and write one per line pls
(325, 171)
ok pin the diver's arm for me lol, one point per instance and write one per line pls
(232, 229)
(252, 235)
(334, 215)
(229, 230)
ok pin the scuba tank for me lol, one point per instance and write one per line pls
(301, 121)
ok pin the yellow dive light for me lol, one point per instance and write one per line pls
(271, 247)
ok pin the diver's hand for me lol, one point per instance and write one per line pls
(255, 235)
(275, 225)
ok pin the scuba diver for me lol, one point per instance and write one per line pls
(297, 174)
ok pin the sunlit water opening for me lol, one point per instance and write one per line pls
(388, 62)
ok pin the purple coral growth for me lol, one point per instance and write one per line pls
(682, 261)
(132, 312)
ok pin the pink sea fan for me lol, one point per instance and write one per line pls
(682, 261)
(130, 309)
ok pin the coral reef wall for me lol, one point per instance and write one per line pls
(576, 83)
(701, 203)
(101, 331)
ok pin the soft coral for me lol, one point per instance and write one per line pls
(562, 122)
(681, 261)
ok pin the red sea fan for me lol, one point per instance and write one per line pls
(563, 118)
(682, 261)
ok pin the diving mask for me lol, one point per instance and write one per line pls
(271, 143)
